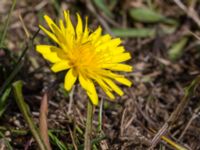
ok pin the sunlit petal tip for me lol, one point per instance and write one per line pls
(41, 27)
(47, 19)
(129, 84)
(70, 79)
(50, 34)
(38, 48)
(66, 13)
(131, 70)
(79, 26)
(110, 95)
(128, 68)
(93, 98)
(86, 30)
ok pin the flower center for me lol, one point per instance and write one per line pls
(84, 57)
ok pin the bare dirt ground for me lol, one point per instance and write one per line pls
(161, 109)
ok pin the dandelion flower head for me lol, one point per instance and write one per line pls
(89, 57)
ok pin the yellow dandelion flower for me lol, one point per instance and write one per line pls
(88, 56)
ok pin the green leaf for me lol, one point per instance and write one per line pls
(134, 32)
(102, 6)
(147, 15)
(176, 50)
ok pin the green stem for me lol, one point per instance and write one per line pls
(26, 114)
(88, 130)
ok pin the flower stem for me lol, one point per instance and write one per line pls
(88, 130)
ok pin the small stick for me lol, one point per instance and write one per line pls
(43, 124)
(177, 112)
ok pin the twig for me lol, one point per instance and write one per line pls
(190, 12)
(122, 122)
(100, 116)
(71, 94)
(194, 116)
(177, 112)
(24, 26)
(43, 124)
(101, 20)
(72, 137)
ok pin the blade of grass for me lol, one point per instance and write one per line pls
(3, 101)
(94, 141)
(57, 142)
(170, 142)
(18, 66)
(17, 87)
(173, 144)
(6, 24)
(22, 132)
(11, 77)
(8, 146)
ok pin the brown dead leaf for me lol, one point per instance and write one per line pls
(43, 125)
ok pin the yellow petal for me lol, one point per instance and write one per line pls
(102, 84)
(118, 67)
(108, 73)
(88, 85)
(105, 87)
(124, 81)
(79, 27)
(86, 30)
(62, 27)
(119, 78)
(69, 24)
(70, 34)
(51, 35)
(70, 79)
(95, 35)
(115, 42)
(120, 58)
(60, 36)
(92, 93)
(113, 86)
(110, 94)
(110, 43)
(105, 38)
(118, 50)
(60, 66)
(59, 33)
(49, 52)
(50, 23)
